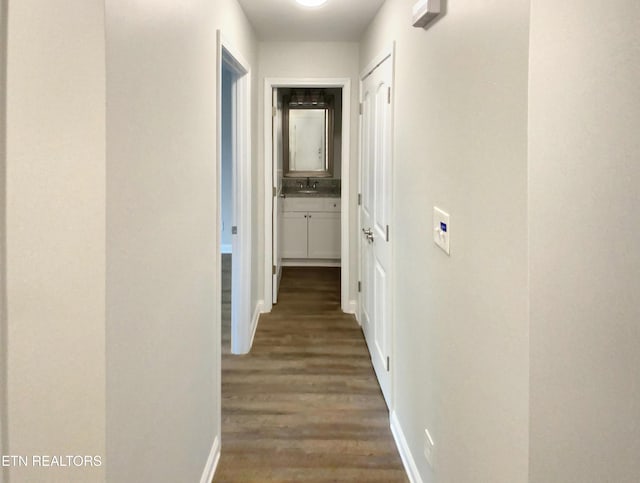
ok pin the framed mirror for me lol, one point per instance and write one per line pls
(308, 130)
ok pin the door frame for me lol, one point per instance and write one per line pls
(387, 53)
(345, 198)
(241, 243)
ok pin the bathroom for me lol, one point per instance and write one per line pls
(307, 144)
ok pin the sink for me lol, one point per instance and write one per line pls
(307, 192)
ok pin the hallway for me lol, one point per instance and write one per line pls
(304, 405)
(506, 242)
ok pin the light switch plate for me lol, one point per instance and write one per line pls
(441, 229)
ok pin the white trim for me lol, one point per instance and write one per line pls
(388, 51)
(345, 196)
(241, 243)
(268, 195)
(353, 309)
(226, 248)
(212, 462)
(238, 62)
(345, 199)
(394, 231)
(254, 321)
(403, 448)
(358, 210)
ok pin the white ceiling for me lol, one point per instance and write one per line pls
(337, 20)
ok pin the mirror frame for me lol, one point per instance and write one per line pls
(327, 173)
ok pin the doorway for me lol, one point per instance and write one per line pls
(234, 198)
(274, 209)
(227, 203)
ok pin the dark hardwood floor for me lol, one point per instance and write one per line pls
(304, 405)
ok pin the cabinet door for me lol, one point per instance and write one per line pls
(324, 235)
(294, 235)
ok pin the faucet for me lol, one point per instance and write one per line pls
(311, 186)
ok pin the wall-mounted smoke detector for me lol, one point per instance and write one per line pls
(311, 3)
(425, 12)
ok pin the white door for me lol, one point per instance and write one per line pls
(374, 220)
(277, 198)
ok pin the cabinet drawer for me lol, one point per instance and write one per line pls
(331, 205)
(311, 204)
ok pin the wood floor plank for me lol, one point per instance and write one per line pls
(304, 405)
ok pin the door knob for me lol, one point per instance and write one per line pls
(367, 232)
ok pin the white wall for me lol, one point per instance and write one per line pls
(160, 404)
(584, 196)
(3, 263)
(162, 340)
(461, 337)
(226, 146)
(310, 59)
(55, 224)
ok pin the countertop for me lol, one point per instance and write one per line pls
(320, 193)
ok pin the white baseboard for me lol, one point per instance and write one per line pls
(212, 462)
(225, 249)
(254, 321)
(352, 307)
(403, 448)
(246, 345)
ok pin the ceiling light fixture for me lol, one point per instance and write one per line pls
(311, 3)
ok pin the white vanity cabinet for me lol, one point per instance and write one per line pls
(311, 229)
